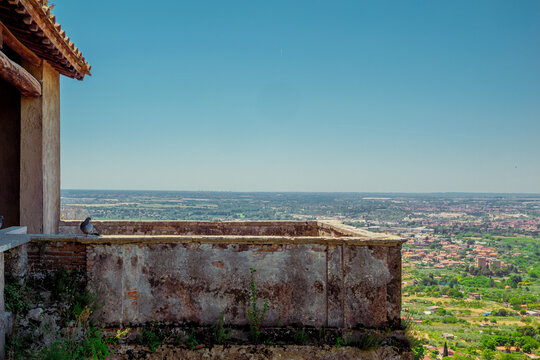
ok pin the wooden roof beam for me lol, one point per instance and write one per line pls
(21, 79)
(15, 45)
(20, 10)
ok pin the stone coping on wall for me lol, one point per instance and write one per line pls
(223, 239)
(328, 232)
(13, 237)
(347, 230)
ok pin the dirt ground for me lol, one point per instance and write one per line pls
(250, 352)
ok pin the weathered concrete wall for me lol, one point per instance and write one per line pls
(40, 154)
(308, 280)
(10, 108)
(181, 283)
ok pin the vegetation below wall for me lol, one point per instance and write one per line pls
(261, 352)
(53, 320)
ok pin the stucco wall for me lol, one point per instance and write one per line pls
(312, 273)
(333, 285)
(51, 149)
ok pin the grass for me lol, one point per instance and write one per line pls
(221, 334)
(69, 287)
(192, 341)
(152, 339)
(300, 337)
(16, 295)
(367, 341)
(84, 341)
(255, 314)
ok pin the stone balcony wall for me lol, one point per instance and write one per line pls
(311, 273)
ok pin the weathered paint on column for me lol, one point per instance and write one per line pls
(40, 154)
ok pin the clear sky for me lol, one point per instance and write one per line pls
(387, 96)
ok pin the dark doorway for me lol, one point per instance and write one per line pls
(10, 148)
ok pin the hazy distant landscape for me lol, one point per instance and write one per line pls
(487, 211)
(471, 264)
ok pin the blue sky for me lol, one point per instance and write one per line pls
(388, 96)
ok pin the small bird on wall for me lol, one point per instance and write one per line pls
(88, 228)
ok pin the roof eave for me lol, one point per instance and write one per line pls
(39, 17)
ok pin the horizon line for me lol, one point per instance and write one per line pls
(317, 192)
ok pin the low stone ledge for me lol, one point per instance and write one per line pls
(327, 229)
(219, 239)
(13, 237)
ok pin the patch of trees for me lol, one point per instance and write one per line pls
(524, 338)
(503, 312)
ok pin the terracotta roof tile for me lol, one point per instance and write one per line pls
(34, 26)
